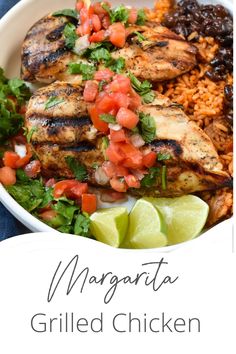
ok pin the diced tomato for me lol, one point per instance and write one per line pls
(113, 170)
(106, 22)
(84, 16)
(96, 22)
(117, 34)
(33, 168)
(7, 176)
(86, 27)
(97, 122)
(149, 160)
(135, 100)
(114, 154)
(77, 191)
(24, 160)
(133, 157)
(10, 158)
(105, 103)
(79, 5)
(132, 181)
(97, 36)
(62, 186)
(118, 185)
(133, 16)
(121, 84)
(98, 9)
(126, 118)
(90, 91)
(89, 203)
(48, 215)
(117, 136)
(105, 74)
(120, 99)
(50, 182)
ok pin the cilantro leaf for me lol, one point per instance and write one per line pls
(53, 101)
(163, 156)
(30, 133)
(70, 35)
(119, 14)
(10, 123)
(142, 18)
(117, 65)
(150, 179)
(140, 36)
(108, 118)
(163, 177)
(82, 225)
(19, 89)
(79, 170)
(66, 12)
(147, 127)
(143, 88)
(100, 55)
(65, 210)
(86, 70)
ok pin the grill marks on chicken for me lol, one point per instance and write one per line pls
(66, 130)
(44, 55)
(163, 55)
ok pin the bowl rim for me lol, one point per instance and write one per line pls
(25, 217)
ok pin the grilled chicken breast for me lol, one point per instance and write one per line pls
(66, 130)
(44, 55)
(163, 55)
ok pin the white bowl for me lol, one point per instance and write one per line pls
(13, 28)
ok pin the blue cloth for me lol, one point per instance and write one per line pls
(9, 226)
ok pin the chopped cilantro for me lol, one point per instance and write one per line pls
(140, 36)
(82, 225)
(147, 127)
(86, 70)
(101, 55)
(108, 118)
(143, 88)
(142, 18)
(65, 210)
(66, 12)
(163, 156)
(53, 101)
(150, 179)
(105, 144)
(30, 133)
(19, 89)
(79, 170)
(119, 14)
(163, 177)
(70, 35)
(117, 65)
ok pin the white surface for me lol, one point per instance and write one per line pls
(13, 28)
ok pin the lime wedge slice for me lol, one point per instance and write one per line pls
(185, 216)
(110, 225)
(147, 228)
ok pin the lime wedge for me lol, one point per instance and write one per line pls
(147, 228)
(110, 225)
(185, 216)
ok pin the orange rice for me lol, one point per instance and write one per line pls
(203, 100)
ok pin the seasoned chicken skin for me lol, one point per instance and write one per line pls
(66, 130)
(163, 55)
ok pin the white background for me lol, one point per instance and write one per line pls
(205, 289)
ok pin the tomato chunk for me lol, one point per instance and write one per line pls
(117, 34)
(114, 154)
(33, 168)
(117, 136)
(106, 22)
(105, 74)
(76, 191)
(133, 157)
(90, 91)
(105, 103)
(97, 36)
(7, 176)
(120, 99)
(79, 5)
(89, 203)
(133, 16)
(118, 185)
(121, 84)
(135, 100)
(126, 118)
(132, 181)
(149, 160)
(97, 122)
(10, 158)
(98, 9)
(113, 170)
(48, 215)
(62, 186)
(96, 22)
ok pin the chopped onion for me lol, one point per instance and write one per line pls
(139, 175)
(20, 150)
(81, 44)
(101, 177)
(137, 140)
(115, 127)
